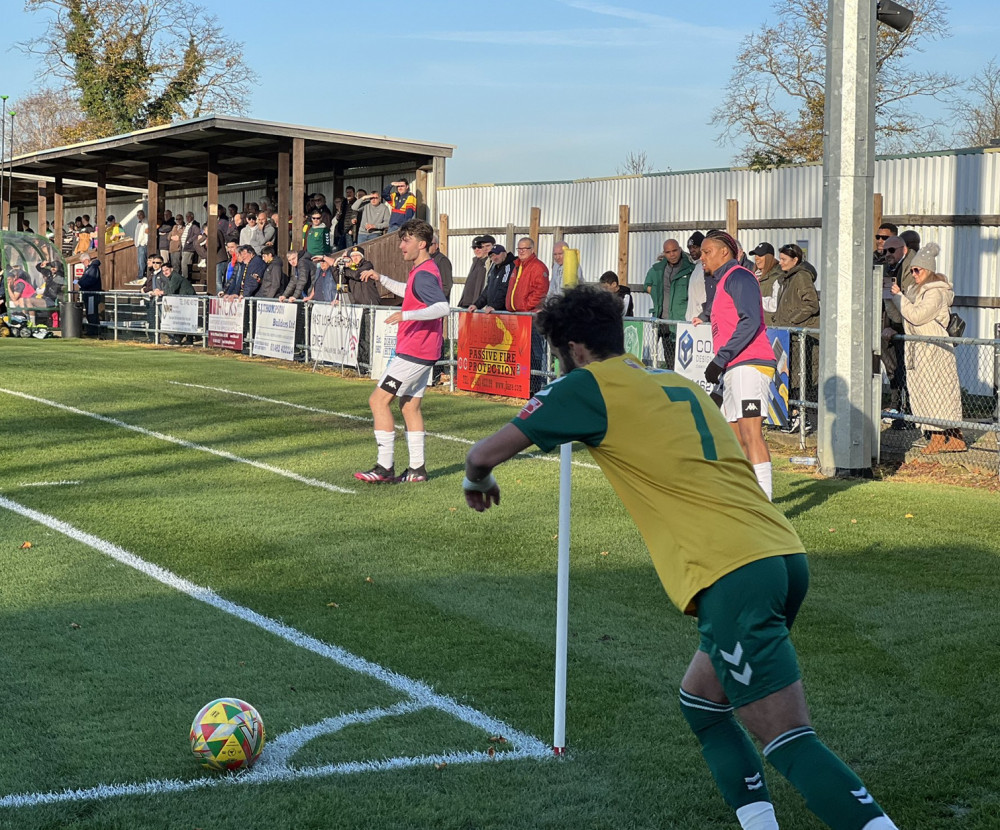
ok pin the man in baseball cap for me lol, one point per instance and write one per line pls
(476, 280)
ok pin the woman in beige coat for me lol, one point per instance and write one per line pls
(931, 372)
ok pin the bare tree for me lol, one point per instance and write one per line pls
(131, 64)
(43, 119)
(773, 105)
(978, 115)
(636, 164)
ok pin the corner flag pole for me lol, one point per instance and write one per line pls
(562, 596)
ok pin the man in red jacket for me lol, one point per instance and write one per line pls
(526, 290)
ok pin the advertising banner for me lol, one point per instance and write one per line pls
(333, 334)
(225, 323)
(179, 314)
(695, 352)
(635, 339)
(384, 347)
(494, 354)
(274, 330)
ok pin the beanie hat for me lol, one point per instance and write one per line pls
(926, 257)
(696, 238)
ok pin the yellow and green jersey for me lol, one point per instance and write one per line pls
(675, 464)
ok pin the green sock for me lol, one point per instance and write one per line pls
(831, 789)
(731, 756)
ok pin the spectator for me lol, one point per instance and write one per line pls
(189, 242)
(231, 263)
(112, 231)
(154, 287)
(252, 235)
(177, 285)
(300, 271)
(931, 371)
(798, 307)
(476, 280)
(494, 295)
(527, 289)
(21, 293)
(83, 235)
(768, 272)
(90, 288)
(247, 275)
(317, 238)
(163, 235)
(697, 290)
(362, 293)
(26, 226)
(319, 203)
(53, 286)
(402, 204)
(667, 283)
(140, 237)
(885, 232)
(324, 283)
(177, 236)
(68, 240)
(911, 240)
(897, 260)
(609, 282)
(373, 219)
(235, 227)
(744, 360)
(269, 230)
(270, 284)
(557, 281)
(348, 222)
(444, 266)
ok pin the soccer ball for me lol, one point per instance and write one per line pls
(227, 734)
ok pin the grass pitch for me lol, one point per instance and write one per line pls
(151, 452)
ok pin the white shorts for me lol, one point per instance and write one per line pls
(404, 378)
(746, 391)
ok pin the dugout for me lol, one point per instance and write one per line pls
(34, 283)
(205, 155)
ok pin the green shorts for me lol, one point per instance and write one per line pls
(744, 619)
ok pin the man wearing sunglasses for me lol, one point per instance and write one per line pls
(476, 281)
(896, 259)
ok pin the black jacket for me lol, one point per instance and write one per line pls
(494, 294)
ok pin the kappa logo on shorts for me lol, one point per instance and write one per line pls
(390, 385)
(750, 408)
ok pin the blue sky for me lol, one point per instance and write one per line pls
(549, 89)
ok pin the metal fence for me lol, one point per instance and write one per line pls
(946, 384)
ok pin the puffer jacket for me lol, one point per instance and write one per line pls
(798, 302)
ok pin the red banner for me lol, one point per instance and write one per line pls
(494, 354)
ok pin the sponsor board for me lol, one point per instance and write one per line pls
(494, 354)
(274, 330)
(179, 314)
(384, 345)
(333, 334)
(225, 322)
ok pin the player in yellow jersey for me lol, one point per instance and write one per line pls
(723, 552)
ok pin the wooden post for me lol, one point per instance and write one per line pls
(283, 213)
(877, 216)
(20, 218)
(58, 220)
(420, 192)
(154, 216)
(510, 237)
(338, 183)
(733, 217)
(212, 242)
(298, 189)
(623, 244)
(102, 219)
(536, 224)
(443, 233)
(557, 236)
(5, 212)
(43, 208)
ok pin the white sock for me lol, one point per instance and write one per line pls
(415, 444)
(763, 473)
(757, 816)
(386, 447)
(880, 823)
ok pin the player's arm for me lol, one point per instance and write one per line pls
(481, 488)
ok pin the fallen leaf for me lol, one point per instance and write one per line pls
(491, 751)
(517, 480)
(369, 580)
(440, 766)
(26, 545)
(74, 625)
(833, 530)
(332, 605)
(243, 662)
(555, 537)
(452, 509)
(908, 516)
(604, 553)
(497, 739)
(854, 521)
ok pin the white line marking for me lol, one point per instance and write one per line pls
(312, 482)
(444, 437)
(420, 694)
(46, 483)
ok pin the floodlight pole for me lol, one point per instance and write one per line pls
(562, 597)
(847, 425)
(3, 149)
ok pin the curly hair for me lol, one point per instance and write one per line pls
(585, 314)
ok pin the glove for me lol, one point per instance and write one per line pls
(713, 372)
